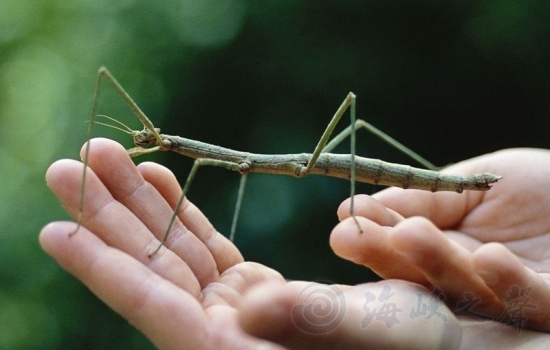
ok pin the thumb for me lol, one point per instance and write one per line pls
(375, 315)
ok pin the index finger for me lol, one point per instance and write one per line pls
(445, 209)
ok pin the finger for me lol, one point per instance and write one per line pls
(112, 221)
(372, 249)
(236, 280)
(113, 166)
(525, 294)
(369, 208)
(222, 250)
(306, 315)
(445, 209)
(444, 263)
(158, 308)
(490, 215)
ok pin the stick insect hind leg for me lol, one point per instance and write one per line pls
(324, 147)
(349, 101)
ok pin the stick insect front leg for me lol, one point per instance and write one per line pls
(104, 73)
(154, 133)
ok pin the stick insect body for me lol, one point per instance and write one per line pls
(320, 162)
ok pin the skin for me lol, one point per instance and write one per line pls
(197, 292)
(476, 242)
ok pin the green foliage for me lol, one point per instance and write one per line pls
(449, 79)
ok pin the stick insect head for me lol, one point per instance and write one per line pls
(142, 138)
(146, 137)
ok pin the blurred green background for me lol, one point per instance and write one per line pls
(450, 79)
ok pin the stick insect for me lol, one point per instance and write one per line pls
(320, 162)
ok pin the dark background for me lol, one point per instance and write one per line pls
(451, 80)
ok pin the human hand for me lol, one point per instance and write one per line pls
(197, 292)
(486, 251)
(184, 295)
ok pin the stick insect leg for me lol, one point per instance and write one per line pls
(350, 131)
(104, 73)
(349, 101)
(198, 163)
(387, 138)
(240, 195)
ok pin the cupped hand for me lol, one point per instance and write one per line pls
(488, 252)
